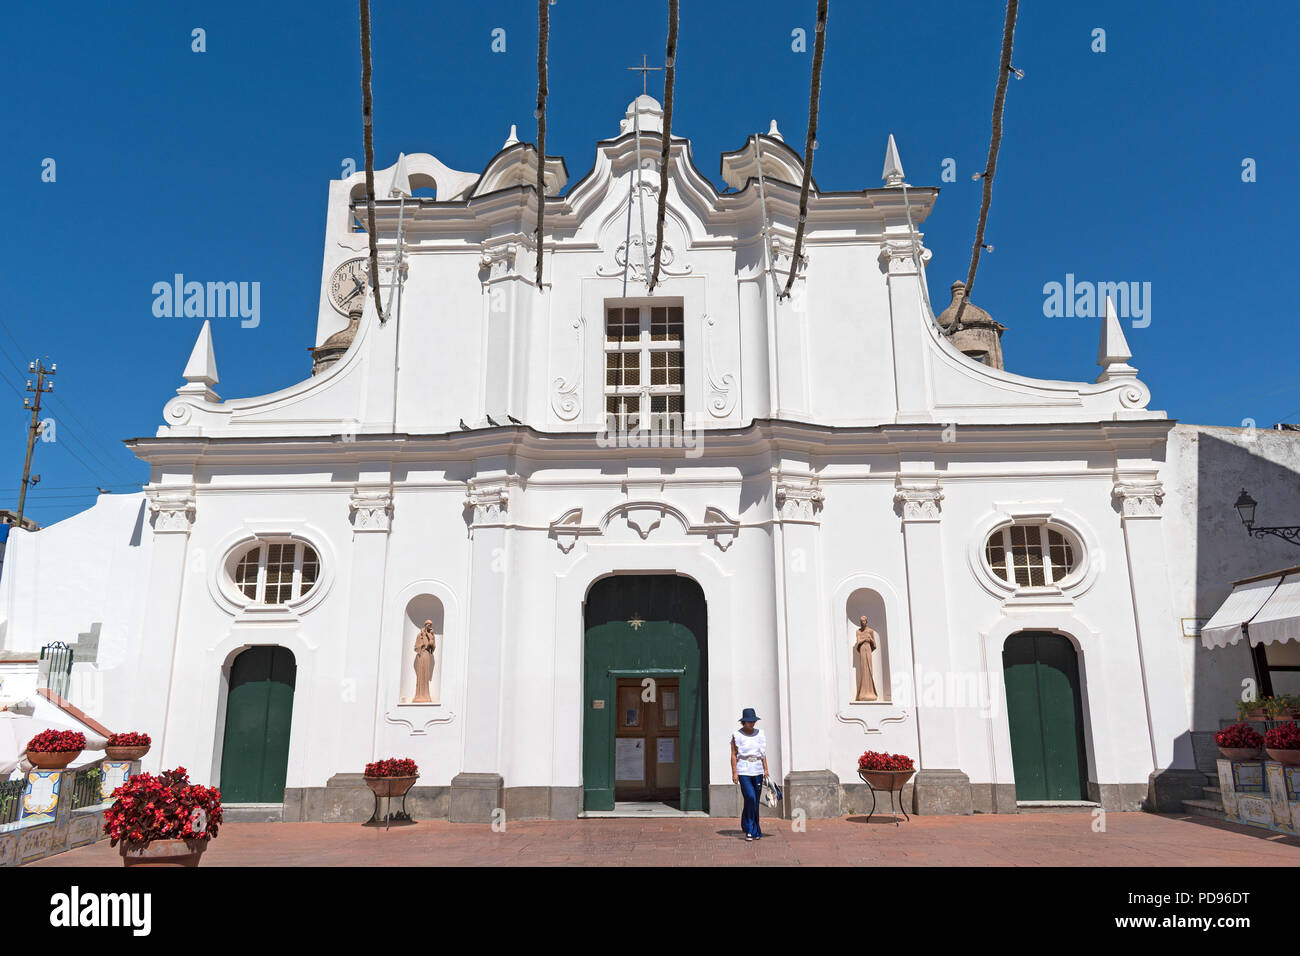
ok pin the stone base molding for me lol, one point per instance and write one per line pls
(475, 798)
(816, 792)
(937, 792)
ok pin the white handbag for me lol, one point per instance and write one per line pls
(771, 792)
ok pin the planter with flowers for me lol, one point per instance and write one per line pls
(55, 749)
(885, 771)
(888, 772)
(1283, 744)
(130, 746)
(1239, 742)
(389, 778)
(163, 820)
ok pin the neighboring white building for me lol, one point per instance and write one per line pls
(839, 457)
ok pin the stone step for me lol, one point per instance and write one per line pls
(1205, 808)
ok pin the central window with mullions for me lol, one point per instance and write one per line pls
(643, 366)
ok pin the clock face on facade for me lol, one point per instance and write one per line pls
(347, 286)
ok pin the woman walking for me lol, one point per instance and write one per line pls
(748, 768)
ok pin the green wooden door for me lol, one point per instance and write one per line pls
(1045, 710)
(255, 755)
(638, 627)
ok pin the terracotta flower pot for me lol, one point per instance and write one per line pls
(1289, 757)
(126, 753)
(390, 786)
(162, 852)
(1240, 753)
(892, 780)
(52, 759)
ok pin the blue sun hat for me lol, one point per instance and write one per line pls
(748, 716)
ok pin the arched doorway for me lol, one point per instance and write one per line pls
(1045, 712)
(259, 710)
(645, 687)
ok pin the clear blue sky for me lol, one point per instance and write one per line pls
(1123, 165)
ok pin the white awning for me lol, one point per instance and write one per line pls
(1240, 607)
(1279, 619)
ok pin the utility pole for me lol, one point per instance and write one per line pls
(34, 432)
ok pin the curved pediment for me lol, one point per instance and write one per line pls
(780, 163)
(516, 165)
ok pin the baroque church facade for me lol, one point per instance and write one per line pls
(624, 514)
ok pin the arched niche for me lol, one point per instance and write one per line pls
(421, 608)
(865, 601)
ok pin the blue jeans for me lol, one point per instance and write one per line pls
(751, 788)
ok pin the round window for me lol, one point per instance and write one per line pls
(1031, 556)
(276, 572)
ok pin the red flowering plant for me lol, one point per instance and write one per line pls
(1240, 737)
(874, 761)
(393, 767)
(57, 742)
(129, 740)
(166, 807)
(1283, 737)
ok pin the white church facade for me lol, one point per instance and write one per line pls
(604, 603)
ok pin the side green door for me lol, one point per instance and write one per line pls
(255, 755)
(644, 626)
(1045, 710)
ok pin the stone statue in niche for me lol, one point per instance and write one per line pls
(864, 645)
(424, 645)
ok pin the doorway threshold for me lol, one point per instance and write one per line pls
(1057, 805)
(640, 809)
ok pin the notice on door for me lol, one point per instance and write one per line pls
(667, 750)
(629, 758)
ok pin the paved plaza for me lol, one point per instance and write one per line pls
(1025, 839)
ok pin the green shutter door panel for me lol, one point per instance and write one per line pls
(1062, 716)
(259, 711)
(1045, 711)
(671, 637)
(1020, 671)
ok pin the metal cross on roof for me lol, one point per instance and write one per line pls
(644, 69)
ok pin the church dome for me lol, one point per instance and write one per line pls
(972, 315)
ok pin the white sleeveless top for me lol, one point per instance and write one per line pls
(749, 752)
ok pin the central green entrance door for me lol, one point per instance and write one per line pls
(1045, 710)
(255, 755)
(644, 686)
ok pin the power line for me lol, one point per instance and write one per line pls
(543, 38)
(814, 97)
(63, 406)
(367, 117)
(669, 74)
(999, 102)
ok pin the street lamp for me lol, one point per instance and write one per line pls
(1245, 506)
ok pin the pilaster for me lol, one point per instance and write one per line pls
(478, 789)
(810, 784)
(1140, 497)
(940, 785)
(171, 516)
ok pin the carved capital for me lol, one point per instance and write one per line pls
(1139, 497)
(783, 253)
(799, 500)
(919, 501)
(491, 503)
(898, 256)
(371, 510)
(171, 512)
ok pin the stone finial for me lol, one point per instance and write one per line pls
(401, 184)
(201, 370)
(775, 133)
(1113, 352)
(513, 138)
(892, 174)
